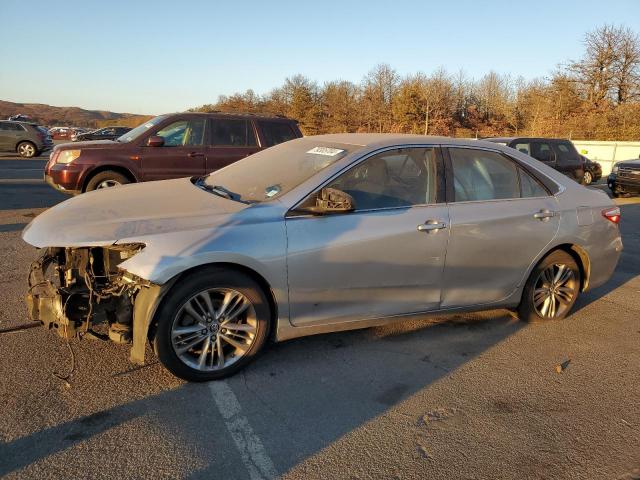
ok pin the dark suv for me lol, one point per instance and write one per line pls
(28, 139)
(624, 178)
(168, 146)
(558, 153)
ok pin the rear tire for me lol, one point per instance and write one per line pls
(27, 150)
(106, 179)
(588, 178)
(551, 290)
(190, 347)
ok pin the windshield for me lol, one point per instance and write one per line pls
(275, 171)
(140, 129)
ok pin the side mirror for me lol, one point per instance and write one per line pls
(329, 200)
(155, 141)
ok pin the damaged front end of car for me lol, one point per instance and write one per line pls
(73, 290)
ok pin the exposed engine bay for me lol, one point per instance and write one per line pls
(72, 290)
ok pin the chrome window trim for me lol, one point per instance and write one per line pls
(353, 164)
(493, 200)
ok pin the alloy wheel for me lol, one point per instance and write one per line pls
(554, 291)
(27, 150)
(588, 178)
(214, 329)
(108, 184)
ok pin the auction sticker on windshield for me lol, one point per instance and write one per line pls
(328, 151)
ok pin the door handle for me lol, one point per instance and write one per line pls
(544, 214)
(195, 154)
(431, 226)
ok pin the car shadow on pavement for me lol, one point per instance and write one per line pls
(300, 397)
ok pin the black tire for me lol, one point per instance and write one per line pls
(27, 149)
(527, 310)
(108, 176)
(206, 279)
(588, 178)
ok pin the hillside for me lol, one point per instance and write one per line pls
(69, 116)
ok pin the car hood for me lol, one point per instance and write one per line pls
(88, 144)
(104, 217)
(629, 163)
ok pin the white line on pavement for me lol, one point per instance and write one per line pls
(28, 181)
(253, 454)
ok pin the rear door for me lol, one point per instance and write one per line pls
(569, 161)
(183, 153)
(6, 136)
(11, 134)
(501, 217)
(230, 139)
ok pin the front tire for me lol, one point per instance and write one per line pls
(551, 290)
(212, 324)
(106, 179)
(27, 150)
(588, 178)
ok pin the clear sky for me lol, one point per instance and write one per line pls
(161, 56)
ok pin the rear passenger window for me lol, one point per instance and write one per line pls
(530, 187)
(542, 151)
(523, 148)
(276, 132)
(232, 133)
(14, 127)
(482, 175)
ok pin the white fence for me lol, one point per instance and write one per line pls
(606, 153)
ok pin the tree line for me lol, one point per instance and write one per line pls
(594, 97)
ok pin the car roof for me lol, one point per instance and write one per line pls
(511, 139)
(243, 115)
(21, 122)
(381, 140)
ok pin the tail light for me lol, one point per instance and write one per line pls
(612, 214)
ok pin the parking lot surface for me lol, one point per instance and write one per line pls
(462, 396)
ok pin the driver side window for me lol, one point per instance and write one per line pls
(396, 178)
(182, 133)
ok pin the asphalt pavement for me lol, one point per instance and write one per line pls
(474, 396)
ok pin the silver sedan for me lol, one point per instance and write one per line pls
(315, 235)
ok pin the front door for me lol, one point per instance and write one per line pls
(182, 155)
(229, 141)
(502, 218)
(386, 257)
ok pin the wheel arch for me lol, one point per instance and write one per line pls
(581, 258)
(25, 140)
(104, 168)
(259, 279)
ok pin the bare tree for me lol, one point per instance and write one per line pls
(626, 69)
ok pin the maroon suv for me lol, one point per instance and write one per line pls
(168, 146)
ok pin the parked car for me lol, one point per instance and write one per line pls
(318, 234)
(624, 178)
(106, 133)
(592, 171)
(62, 133)
(558, 153)
(168, 146)
(27, 139)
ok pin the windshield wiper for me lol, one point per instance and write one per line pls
(217, 189)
